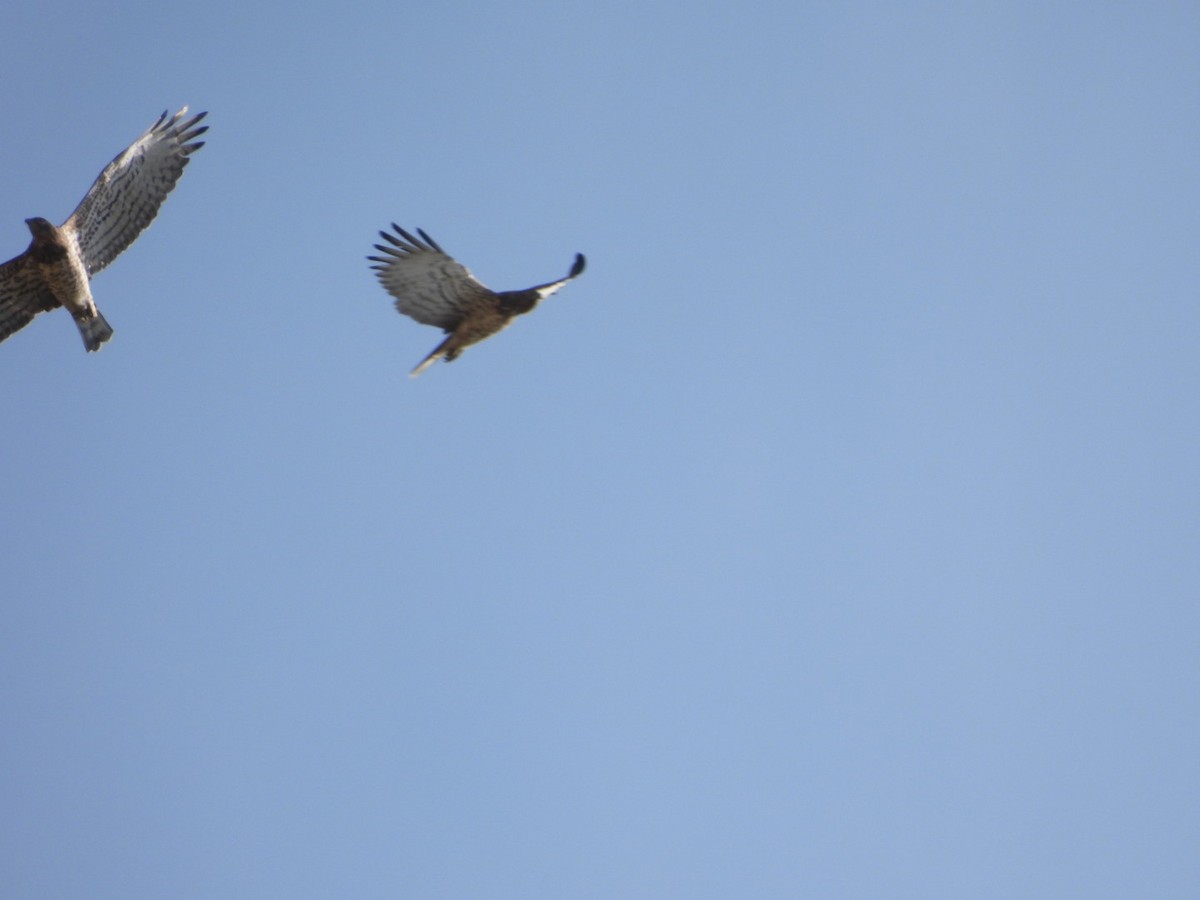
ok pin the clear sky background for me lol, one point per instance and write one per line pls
(837, 534)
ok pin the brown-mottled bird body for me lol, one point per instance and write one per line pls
(57, 268)
(434, 289)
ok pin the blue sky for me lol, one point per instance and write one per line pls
(835, 535)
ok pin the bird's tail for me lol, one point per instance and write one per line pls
(444, 350)
(94, 330)
(438, 352)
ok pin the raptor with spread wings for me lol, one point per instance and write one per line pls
(432, 288)
(57, 268)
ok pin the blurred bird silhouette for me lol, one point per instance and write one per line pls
(434, 289)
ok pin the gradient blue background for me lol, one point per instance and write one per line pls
(835, 535)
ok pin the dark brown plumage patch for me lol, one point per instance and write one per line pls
(47, 246)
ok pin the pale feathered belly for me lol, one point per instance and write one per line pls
(68, 281)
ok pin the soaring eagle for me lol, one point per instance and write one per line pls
(57, 268)
(432, 288)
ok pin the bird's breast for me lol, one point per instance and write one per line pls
(65, 275)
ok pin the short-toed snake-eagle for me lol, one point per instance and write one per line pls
(432, 288)
(58, 267)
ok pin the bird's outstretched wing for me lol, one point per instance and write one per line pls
(127, 195)
(23, 294)
(428, 284)
(545, 290)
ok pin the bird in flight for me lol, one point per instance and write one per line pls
(430, 287)
(58, 267)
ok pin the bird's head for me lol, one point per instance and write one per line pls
(39, 227)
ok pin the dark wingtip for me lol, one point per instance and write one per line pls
(579, 266)
(408, 237)
(430, 241)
